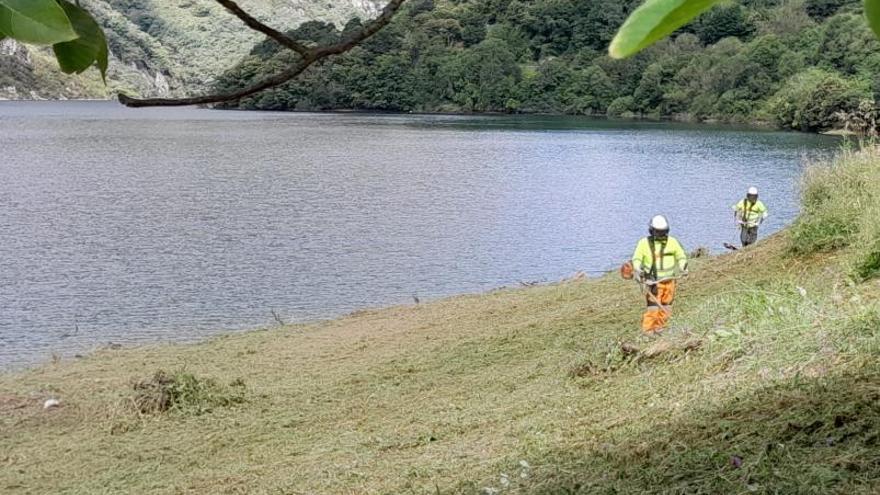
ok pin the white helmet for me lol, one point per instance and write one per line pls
(753, 191)
(659, 226)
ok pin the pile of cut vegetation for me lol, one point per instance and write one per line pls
(184, 392)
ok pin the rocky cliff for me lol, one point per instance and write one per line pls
(161, 47)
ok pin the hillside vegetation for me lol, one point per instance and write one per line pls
(802, 64)
(768, 382)
(162, 47)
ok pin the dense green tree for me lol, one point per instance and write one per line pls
(845, 42)
(514, 38)
(741, 62)
(388, 85)
(622, 106)
(811, 100)
(822, 9)
(589, 92)
(473, 26)
(723, 21)
(488, 77)
(543, 91)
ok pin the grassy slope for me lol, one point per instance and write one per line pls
(450, 396)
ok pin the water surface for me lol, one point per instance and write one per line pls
(133, 226)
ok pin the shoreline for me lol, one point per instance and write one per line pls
(58, 358)
(632, 118)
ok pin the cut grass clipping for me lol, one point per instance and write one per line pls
(184, 393)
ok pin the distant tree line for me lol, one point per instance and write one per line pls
(801, 64)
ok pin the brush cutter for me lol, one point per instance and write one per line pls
(645, 289)
(627, 272)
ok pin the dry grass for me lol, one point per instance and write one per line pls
(515, 391)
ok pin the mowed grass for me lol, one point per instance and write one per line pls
(768, 382)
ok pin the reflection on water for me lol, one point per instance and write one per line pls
(173, 224)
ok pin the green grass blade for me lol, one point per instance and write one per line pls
(42, 22)
(652, 21)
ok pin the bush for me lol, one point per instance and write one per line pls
(621, 107)
(809, 100)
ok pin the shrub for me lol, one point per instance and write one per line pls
(621, 107)
(809, 100)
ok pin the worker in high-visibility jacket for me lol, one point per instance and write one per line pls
(657, 261)
(749, 213)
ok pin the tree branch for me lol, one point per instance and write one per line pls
(309, 57)
(279, 37)
(264, 84)
(364, 32)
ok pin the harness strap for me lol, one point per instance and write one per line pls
(651, 245)
(747, 214)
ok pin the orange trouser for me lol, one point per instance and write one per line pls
(659, 300)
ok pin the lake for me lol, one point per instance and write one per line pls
(154, 225)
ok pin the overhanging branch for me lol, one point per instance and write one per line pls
(256, 25)
(308, 57)
(264, 84)
(364, 32)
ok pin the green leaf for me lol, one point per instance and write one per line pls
(90, 48)
(653, 21)
(872, 12)
(42, 22)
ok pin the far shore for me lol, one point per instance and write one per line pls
(628, 117)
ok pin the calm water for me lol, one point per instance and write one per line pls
(133, 226)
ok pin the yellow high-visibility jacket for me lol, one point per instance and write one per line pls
(668, 256)
(750, 213)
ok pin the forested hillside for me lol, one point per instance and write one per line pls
(803, 64)
(160, 47)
